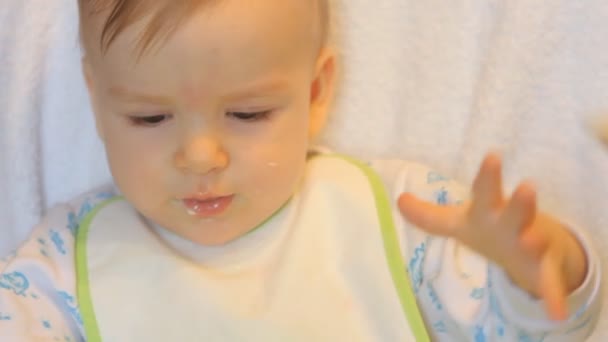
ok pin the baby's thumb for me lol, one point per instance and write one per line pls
(432, 218)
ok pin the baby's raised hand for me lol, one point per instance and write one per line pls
(538, 253)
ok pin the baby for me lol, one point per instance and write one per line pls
(227, 224)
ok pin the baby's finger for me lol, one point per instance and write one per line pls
(533, 242)
(432, 218)
(552, 288)
(521, 209)
(487, 188)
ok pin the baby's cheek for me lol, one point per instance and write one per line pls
(138, 177)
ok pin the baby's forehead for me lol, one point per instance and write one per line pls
(103, 21)
(218, 52)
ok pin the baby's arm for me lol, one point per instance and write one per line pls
(38, 282)
(465, 297)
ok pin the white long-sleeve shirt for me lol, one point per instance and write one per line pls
(461, 296)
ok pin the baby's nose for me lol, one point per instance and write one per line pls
(201, 154)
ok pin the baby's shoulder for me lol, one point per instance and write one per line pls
(67, 216)
(73, 212)
(54, 236)
(389, 169)
(39, 278)
(422, 180)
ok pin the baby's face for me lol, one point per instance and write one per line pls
(207, 134)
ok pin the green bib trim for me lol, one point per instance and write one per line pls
(83, 290)
(394, 260)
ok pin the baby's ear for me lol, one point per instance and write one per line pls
(87, 72)
(600, 128)
(322, 90)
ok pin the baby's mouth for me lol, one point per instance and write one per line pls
(207, 207)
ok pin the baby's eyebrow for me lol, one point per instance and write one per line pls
(255, 89)
(259, 88)
(134, 96)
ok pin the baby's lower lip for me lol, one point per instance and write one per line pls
(209, 207)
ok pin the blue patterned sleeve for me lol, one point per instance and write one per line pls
(464, 297)
(38, 281)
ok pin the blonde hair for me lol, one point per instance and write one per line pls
(166, 16)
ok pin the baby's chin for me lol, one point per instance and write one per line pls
(205, 233)
(213, 231)
(214, 237)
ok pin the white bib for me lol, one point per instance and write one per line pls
(327, 279)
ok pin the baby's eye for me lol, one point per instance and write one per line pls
(150, 121)
(250, 116)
